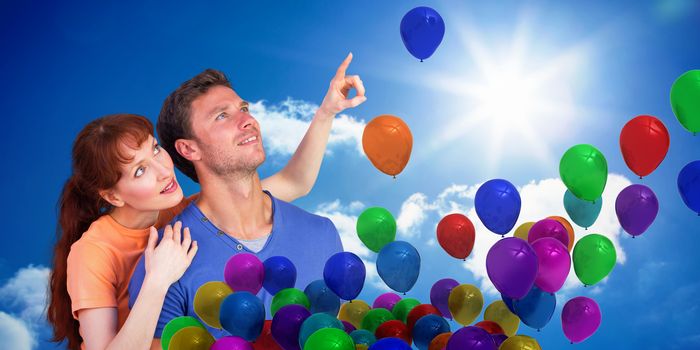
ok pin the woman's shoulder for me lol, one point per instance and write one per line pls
(95, 242)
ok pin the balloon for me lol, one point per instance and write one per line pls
(644, 142)
(689, 185)
(316, 322)
(536, 308)
(207, 302)
(580, 318)
(440, 341)
(266, 341)
(322, 298)
(583, 213)
(244, 272)
(280, 273)
(344, 274)
(465, 303)
(390, 344)
(499, 339)
(422, 30)
(520, 342)
(491, 327)
(584, 171)
(512, 267)
(594, 258)
(427, 328)
(403, 308)
(353, 312)
(329, 339)
(286, 324)
(376, 227)
(363, 336)
(175, 325)
(497, 204)
(242, 315)
(636, 207)
(231, 343)
(498, 312)
(398, 264)
(548, 228)
(387, 142)
(191, 338)
(440, 294)
(553, 264)
(287, 297)
(393, 329)
(386, 301)
(522, 230)
(419, 312)
(569, 230)
(348, 327)
(471, 338)
(374, 318)
(455, 233)
(685, 94)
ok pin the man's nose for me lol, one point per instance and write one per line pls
(247, 122)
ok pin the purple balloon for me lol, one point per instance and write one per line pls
(348, 327)
(244, 272)
(386, 301)
(512, 267)
(553, 263)
(636, 207)
(548, 228)
(471, 338)
(440, 293)
(580, 318)
(499, 339)
(231, 343)
(286, 325)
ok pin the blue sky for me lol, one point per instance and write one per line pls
(596, 64)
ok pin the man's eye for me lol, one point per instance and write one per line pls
(221, 116)
(244, 109)
(139, 171)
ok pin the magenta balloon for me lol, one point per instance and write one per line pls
(512, 267)
(636, 207)
(553, 264)
(580, 318)
(244, 272)
(440, 294)
(231, 343)
(548, 228)
(386, 301)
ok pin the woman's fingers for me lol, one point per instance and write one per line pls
(167, 232)
(193, 251)
(177, 236)
(186, 238)
(152, 239)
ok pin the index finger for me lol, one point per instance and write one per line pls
(344, 66)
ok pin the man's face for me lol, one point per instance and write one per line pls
(228, 137)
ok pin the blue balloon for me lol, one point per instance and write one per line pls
(582, 213)
(280, 273)
(344, 274)
(316, 322)
(363, 336)
(242, 314)
(322, 298)
(497, 204)
(390, 344)
(536, 308)
(689, 185)
(509, 303)
(427, 328)
(398, 264)
(422, 30)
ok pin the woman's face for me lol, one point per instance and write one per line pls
(148, 180)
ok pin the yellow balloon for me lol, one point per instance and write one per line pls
(498, 312)
(353, 312)
(520, 342)
(522, 230)
(361, 347)
(465, 303)
(207, 302)
(191, 338)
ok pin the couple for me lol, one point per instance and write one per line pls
(123, 184)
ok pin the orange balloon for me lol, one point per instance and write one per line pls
(568, 227)
(440, 341)
(387, 142)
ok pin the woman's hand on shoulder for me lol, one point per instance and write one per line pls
(167, 262)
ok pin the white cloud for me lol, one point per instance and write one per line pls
(15, 334)
(412, 215)
(25, 294)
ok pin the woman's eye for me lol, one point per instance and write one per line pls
(221, 116)
(156, 149)
(139, 171)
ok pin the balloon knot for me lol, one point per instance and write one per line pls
(585, 286)
(404, 293)
(587, 227)
(640, 177)
(394, 177)
(633, 237)
(422, 61)
(572, 343)
(538, 329)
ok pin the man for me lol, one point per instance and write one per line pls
(213, 139)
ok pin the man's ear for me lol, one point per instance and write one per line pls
(112, 198)
(188, 149)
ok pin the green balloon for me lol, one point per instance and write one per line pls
(191, 338)
(329, 339)
(685, 100)
(288, 296)
(584, 171)
(403, 307)
(594, 258)
(376, 227)
(175, 325)
(375, 317)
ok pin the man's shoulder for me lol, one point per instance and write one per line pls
(293, 212)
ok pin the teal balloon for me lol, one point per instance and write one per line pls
(398, 264)
(316, 322)
(582, 213)
(584, 171)
(363, 336)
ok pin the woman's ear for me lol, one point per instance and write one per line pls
(112, 198)
(188, 149)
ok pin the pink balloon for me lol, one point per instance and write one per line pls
(553, 263)
(548, 228)
(231, 343)
(244, 272)
(580, 318)
(386, 301)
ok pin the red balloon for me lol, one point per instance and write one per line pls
(644, 143)
(419, 311)
(265, 340)
(455, 232)
(393, 329)
(491, 327)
